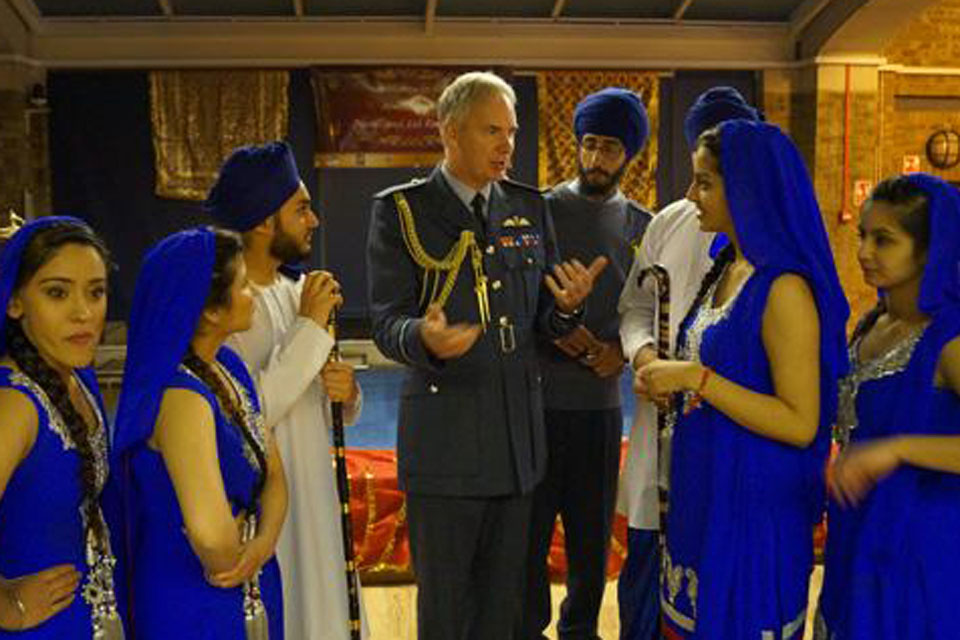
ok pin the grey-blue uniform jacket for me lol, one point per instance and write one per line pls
(473, 425)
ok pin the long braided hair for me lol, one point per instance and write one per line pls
(41, 249)
(228, 247)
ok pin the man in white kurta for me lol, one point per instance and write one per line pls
(285, 353)
(673, 240)
(259, 194)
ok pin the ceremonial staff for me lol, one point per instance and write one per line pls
(662, 279)
(343, 491)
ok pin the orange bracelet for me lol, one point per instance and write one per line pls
(697, 398)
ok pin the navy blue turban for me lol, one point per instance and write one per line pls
(615, 113)
(714, 106)
(252, 185)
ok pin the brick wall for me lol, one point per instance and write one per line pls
(777, 91)
(914, 108)
(931, 39)
(892, 114)
(823, 132)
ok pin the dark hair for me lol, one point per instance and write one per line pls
(38, 252)
(911, 207)
(44, 245)
(868, 320)
(200, 368)
(228, 246)
(723, 258)
(710, 140)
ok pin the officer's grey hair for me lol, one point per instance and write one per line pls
(468, 89)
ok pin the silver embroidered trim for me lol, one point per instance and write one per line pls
(54, 421)
(99, 439)
(255, 616)
(791, 628)
(254, 612)
(820, 629)
(707, 316)
(889, 363)
(98, 588)
(253, 419)
(671, 585)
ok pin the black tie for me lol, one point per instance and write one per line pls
(477, 205)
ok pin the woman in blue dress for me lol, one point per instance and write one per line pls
(55, 553)
(892, 557)
(759, 356)
(203, 485)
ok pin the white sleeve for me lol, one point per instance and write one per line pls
(637, 305)
(288, 368)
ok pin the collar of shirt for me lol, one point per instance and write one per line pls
(615, 195)
(467, 193)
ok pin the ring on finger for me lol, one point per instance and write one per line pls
(21, 608)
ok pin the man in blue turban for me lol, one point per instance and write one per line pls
(581, 377)
(673, 240)
(259, 193)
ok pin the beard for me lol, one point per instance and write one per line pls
(285, 248)
(597, 182)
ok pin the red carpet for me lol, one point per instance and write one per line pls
(379, 523)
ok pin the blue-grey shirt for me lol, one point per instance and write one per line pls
(465, 192)
(587, 228)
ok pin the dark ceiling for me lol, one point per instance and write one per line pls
(630, 10)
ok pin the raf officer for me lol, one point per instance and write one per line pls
(463, 273)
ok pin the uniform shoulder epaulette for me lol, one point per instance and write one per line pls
(507, 182)
(407, 186)
(554, 188)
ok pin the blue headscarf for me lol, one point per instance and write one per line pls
(940, 287)
(939, 290)
(12, 254)
(779, 226)
(171, 291)
(713, 107)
